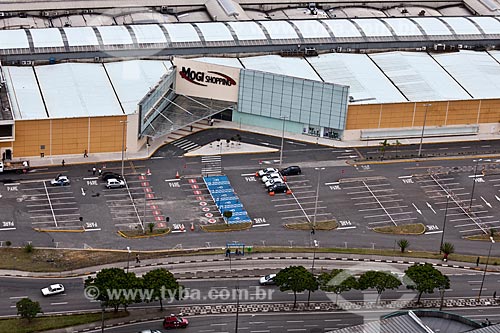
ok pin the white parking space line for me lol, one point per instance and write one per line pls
(294, 203)
(372, 216)
(379, 208)
(300, 209)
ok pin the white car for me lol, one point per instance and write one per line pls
(53, 289)
(265, 171)
(266, 280)
(273, 181)
(115, 183)
(273, 175)
(60, 181)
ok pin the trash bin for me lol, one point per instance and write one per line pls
(249, 249)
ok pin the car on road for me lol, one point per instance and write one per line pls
(53, 289)
(60, 180)
(291, 171)
(265, 171)
(273, 175)
(109, 175)
(115, 183)
(267, 280)
(278, 188)
(150, 331)
(273, 181)
(174, 321)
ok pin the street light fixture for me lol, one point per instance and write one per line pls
(444, 222)
(485, 268)
(282, 138)
(123, 122)
(316, 244)
(474, 183)
(128, 257)
(423, 129)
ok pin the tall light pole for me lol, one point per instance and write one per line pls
(423, 129)
(317, 196)
(316, 244)
(444, 222)
(282, 138)
(485, 268)
(128, 257)
(123, 122)
(473, 183)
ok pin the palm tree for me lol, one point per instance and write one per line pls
(383, 146)
(403, 244)
(397, 144)
(447, 249)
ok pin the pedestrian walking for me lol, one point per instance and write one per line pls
(85, 155)
(211, 122)
(495, 295)
(93, 170)
(63, 162)
(477, 261)
(190, 128)
(137, 260)
(100, 172)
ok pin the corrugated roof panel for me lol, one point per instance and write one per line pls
(343, 28)
(115, 35)
(418, 76)
(247, 30)
(81, 36)
(477, 72)
(85, 87)
(13, 39)
(297, 67)
(280, 30)
(24, 94)
(182, 32)
(50, 37)
(311, 29)
(231, 62)
(432, 26)
(403, 26)
(373, 27)
(367, 84)
(215, 32)
(462, 26)
(149, 34)
(489, 24)
(133, 79)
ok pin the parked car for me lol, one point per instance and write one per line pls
(265, 171)
(150, 331)
(278, 188)
(272, 175)
(53, 289)
(273, 181)
(267, 280)
(109, 174)
(115, 183)
(174, 321)
(291, 170)
(60, 180)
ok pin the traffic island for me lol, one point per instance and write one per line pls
(224, 227)
(307, 226)
(146, 234)
(484, 237)
(406, 229)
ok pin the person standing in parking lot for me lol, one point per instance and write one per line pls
(93, 170)
(85, 154)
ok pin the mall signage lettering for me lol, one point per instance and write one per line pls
(201, 78)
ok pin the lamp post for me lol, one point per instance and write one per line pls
(474, 183)
(423, 129)
(103, 307)
(485, 268)
(128, 257)
(317, 196)
(441, 292)
(123, 122)
(282, 139)
(316, 244)
(444, 223)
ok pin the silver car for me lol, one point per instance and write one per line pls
(115, 183)
(53, 289)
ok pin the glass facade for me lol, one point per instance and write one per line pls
(312, 104)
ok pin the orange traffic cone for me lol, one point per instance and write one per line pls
(192, 226)
(288, 191)
(182, 228)
(148, 172)
(177, 175)
(271, 194)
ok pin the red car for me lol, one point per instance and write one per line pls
(174, 321)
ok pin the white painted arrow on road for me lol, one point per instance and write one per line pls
(430, 207)
(83, 192)
(418, 210)
(497, 197)
(486, 202)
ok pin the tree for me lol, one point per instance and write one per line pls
(163, 284)
(296, 279)
(337, 281)
(383, 147)
(403, 244)
(397, 144)
(425, 278)
(378, 280)
(447, 249)
(28, 309)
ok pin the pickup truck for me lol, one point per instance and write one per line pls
(14, 166)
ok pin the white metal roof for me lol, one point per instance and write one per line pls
(418, 76)
(182, 32)
(343, 28)
(133, 79)
(24, 94)
(279, 30)
(77, 90)
(403, 26)
(13, 39)
(115, 35)
(297, 67)
(149, 33)
(462, 26)
(373, 27)
(81, 36)
(477, 72)
(489, 24)
(495, 54)
(432, 26)
(231, 62)
(50, 37)
(312, 29)
(247, 30)
(215, 31)
(367, 84)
